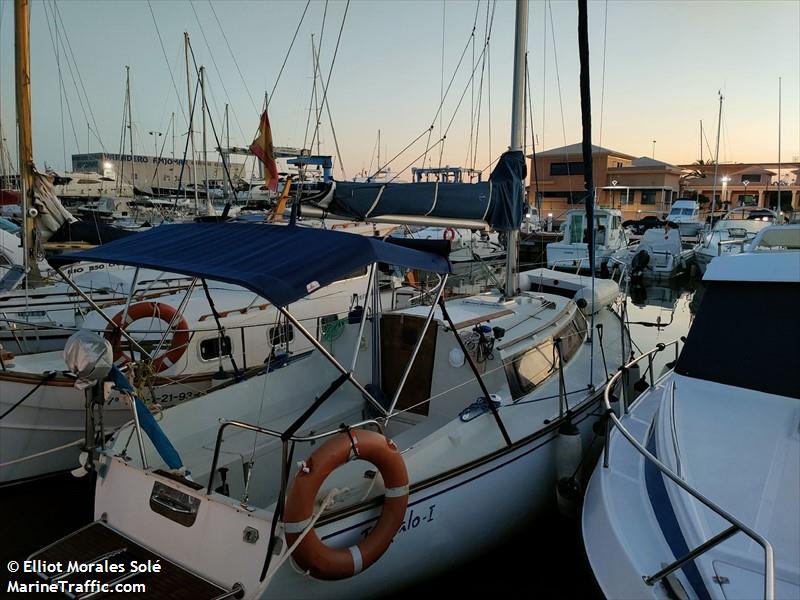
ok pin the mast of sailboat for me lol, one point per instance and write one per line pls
(716, 164)
(23, 92)
(130, 125)
(517, 130)
(224, 155)
(205, 148)
(778, 205)
(701, 141)
(191, 116)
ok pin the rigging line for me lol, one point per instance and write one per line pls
(286, 58)
(75, 85)
(330, 120)
(544, 71)
(225, 165)
(333, 60)
(62, 89)
(533, 139)
(560, 100)
(390, 161)
(235, 62)
(472, 86)
(65, 36)
(372, 157)
(441, 78)
(216, 68)
(480, 92)
(489, 83)
(484, 53)
(311, 97)
(708, 146)
(315, 65)
(408, 166)
(166, 60)
(603, 78)
(60, 96)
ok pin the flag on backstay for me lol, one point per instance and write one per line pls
(262, 148)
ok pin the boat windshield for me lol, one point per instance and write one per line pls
(746, 335)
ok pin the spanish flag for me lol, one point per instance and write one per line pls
(262, 148)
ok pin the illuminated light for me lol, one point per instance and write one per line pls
(549, 215)
(107, 165)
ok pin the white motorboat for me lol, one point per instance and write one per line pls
(699, 491)
(660, 254)
(685, 213)
(571, 252)
(733, 233)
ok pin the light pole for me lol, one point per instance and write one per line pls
(156, 135)
(745, 183)
(614, 185)
(654, 149)
(724, 198)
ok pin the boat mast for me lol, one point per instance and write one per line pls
(716, 165)
(778, 206)
(26, 168)
(191, 115)
(224, 155)
(517, 129)
(701, 141)
(130, 127)
(205, 149)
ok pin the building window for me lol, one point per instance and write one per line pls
(648, 197)
(558, 169)
(751, 178)
(210, 348)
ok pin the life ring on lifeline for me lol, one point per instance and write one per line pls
(156, 310)
(324, 562)
(449, 234)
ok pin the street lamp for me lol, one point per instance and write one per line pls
(745, 183)
(725, 181)
(156, 135)
(654, 149)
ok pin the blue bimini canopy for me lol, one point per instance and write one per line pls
(499, 202)
(280, 263)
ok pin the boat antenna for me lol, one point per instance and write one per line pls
(586, 147)
(517, 130)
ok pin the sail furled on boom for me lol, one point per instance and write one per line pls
(499, 202)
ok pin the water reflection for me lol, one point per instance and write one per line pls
(661, 312)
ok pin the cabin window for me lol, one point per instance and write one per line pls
(211, 348)
(281, 334)
(566, 168)
(576, 229)
(529, 369)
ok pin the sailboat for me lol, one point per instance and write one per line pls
(420, 439)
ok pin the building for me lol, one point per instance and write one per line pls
(153, 175)
(637, 186)
(744, 184)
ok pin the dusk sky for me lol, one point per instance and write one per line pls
(664, 63)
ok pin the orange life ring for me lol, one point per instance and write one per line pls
(311, 554)
(449, 234)
(157, 310)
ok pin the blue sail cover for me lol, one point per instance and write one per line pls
(280, 263)
(499, 202)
